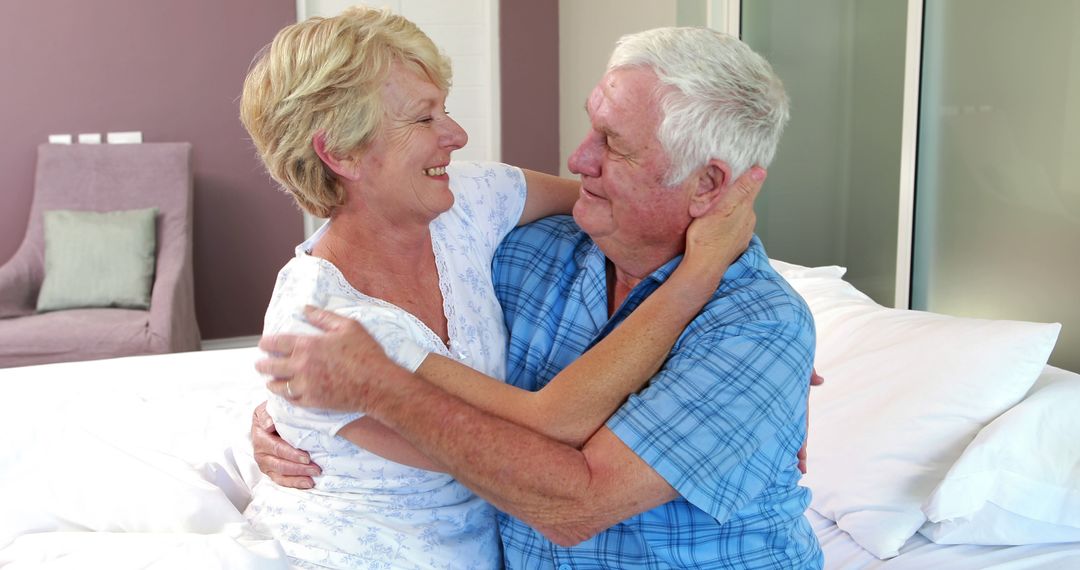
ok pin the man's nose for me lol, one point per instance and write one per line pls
(585, 160)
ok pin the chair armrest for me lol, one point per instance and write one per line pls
(20, 280)
(173, 327)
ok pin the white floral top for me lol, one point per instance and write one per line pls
(366, 511)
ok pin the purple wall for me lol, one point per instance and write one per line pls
(174, 71)
(529, 68)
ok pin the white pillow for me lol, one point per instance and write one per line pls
(1019, 481)
(792, 271)
(905, 392)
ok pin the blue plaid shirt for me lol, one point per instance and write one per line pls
(722, 421)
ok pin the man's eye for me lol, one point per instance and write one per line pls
(426, 120)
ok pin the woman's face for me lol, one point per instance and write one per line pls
(404, 169)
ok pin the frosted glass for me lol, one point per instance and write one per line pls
(833, 190)
(998, 186)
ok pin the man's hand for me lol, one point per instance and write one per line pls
(815, 380)
(327, 371)
(283, 463)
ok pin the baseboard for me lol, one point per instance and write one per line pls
(232, 342)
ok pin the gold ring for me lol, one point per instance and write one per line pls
(288, 390)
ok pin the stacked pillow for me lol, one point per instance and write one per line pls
(1019, 480)
(905, 393)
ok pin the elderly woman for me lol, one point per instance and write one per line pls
(347, 114)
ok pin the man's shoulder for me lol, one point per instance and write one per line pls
(548, 239)
(537, 265)
(752, 291)
(561, 227)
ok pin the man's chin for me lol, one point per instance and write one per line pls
(588, 222)
(581, 216)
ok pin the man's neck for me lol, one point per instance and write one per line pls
(623, 275)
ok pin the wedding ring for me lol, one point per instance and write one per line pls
(288, 390)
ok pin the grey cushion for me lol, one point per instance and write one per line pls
(98, 259)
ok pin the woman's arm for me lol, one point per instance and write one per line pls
(580, 398)
(547, 196)
(375, 437)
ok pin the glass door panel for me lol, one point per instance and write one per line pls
(833, 190)
(997, 217)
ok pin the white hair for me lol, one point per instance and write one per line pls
(719, 99)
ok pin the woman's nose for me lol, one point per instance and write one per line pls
(453, 135)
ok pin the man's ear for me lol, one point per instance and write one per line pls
(343, 166)
(709, 186)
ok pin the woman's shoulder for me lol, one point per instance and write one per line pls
(304, 280)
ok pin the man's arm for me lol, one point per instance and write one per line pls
(283, 463)
(566, 493)
(291, 467)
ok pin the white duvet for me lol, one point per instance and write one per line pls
(138, 462)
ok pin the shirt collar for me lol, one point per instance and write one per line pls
(744, 266)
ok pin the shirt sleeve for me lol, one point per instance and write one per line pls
(726, 412)
(491, 196)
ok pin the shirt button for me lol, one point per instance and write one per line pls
(564, 567)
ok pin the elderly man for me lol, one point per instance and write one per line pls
(697, 470)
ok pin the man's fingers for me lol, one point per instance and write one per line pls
(286, 460)
(283, 463)
(297, 460)
(275, 368)
(278, 343)
(815, 378)
(325, 320)
(261, 419)
(293, 482)
(284, 389)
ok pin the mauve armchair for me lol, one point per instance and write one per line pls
(102, 178)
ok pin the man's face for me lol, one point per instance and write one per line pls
(624, 204)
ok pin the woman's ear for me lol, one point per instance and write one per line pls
(344, 166)
(709, 187)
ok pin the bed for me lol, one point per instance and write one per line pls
(928, 427)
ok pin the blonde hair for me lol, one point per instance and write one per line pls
(325, 74)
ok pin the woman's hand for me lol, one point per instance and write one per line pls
(715, 240)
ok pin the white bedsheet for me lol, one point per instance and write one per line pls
(841, 552)
(152, 455)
